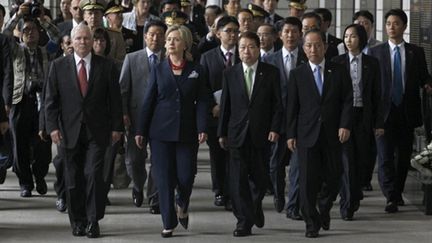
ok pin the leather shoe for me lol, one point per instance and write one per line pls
(41, 187)
(93, 230)
(400, 202)
(79, 229)
(294, 215)
(154, 209)
(137, 197)
(3, 172)
(391, 207)
(219, 200)
(61, 205)
(228, 205)
(26, 193)
(279, 203)
(312, 234)
(325, 221)
(183, 217)
(239, 232)
(259, 217)
(367, 188)
(167, 233)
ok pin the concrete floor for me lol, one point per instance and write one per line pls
(36, 220)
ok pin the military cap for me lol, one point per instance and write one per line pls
(174, 17)
(184, 3)
(257, 11)
(114, 6)
(298, 4)
(170, 2)
(92, 5)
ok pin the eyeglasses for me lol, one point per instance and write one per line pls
(231, 31)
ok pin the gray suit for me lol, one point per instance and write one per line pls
(133, 83)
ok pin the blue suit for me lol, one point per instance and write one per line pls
(174, 111)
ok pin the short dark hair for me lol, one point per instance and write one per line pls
(399, 13)
(156, 23)
(325, 13)
(245, 10)
(226, 20)
(361, 32)
(3, 10)
(250, 35)
(272, 28)
(215, 8)
(312, 15)
(363, 13)
(316, 31)
(292, 21)
(101, 33)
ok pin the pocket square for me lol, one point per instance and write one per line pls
(193, 74)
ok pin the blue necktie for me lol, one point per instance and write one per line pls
(318, 79)
(397, 91)
(153, 59)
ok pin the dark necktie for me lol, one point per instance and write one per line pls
(82, 77)
(318, 79)
(153, 59)
(228, 62)
(397, 91)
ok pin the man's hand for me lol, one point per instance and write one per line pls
(292, 144)
(223, 143)
(344, 135)
(428, 88)
(115, 136)
(216, 111)
(43, 136)
(202, 137)
(140, 141)
(126, 121)
(379, 132)
(24, 9)
(4, 126)
(56, 136)
(273, 137)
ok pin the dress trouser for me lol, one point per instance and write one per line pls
(59, 184)
(394, 154)
(84, 179)
(319, 164)
(173, 167)
(31, 155)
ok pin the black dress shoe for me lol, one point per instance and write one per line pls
(137, 197)
(325, 221)
(154, 209)
(228, 205)
(259, 217)
(312, 234)
(294, 215)
(279, 203)
(239, 232)
(400, 202)
(41, 187)
(93, 230)
(3, 172)
(25, 193)
(61, 205)
(219, 200)
(167, 233)
(79, 229)
(367, 188)
(391, 207)
(183, 217)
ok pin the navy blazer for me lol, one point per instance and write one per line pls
(258, 115)
(308, 112)
(174, 111)
(416, 76)
(373, 116)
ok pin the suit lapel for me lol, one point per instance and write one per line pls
(257, 82)
(310, 77)
(74, 79)
(240, 77)
(327, 78)
(365, 74)
(301, 57)
(94, 70)
(409, 57)
(387, 60)
(280, 63)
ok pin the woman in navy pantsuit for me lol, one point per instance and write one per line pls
(173, 119)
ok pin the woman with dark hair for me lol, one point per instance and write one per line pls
(101, 42)
(173, 119)
(367, 116)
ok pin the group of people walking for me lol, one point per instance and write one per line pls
(263, 91)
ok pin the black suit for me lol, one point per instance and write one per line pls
(213, 63)
(332, 43)
(314, 121)
(246, 123)
(401, 120)
(85, 124)
(357, 152)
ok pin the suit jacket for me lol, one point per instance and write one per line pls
(332, 48)
(133, 82)
(277, 60)
(65, 27)
(6, 75)
(416, 76)
(213, 63)
(174, 109)
(371, 89)
(205, 45)
(66, 109)
(308, 112)
(258, 115)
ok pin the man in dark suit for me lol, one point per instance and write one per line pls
(403, 74)
(319, 111)
(290, 56)
(251, 114)
(270, 6)
(77, 16)
(83, 117)
(215, 62)
(133, 83)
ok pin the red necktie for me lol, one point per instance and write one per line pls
(82, 77)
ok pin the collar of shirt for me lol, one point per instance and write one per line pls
(224, 51)
(393, 45)
(254, 67)
(351, 57)
(87, 59)
(285, 52)
(149, 53)
(322, 65)
(74, 23)
(267, 52)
